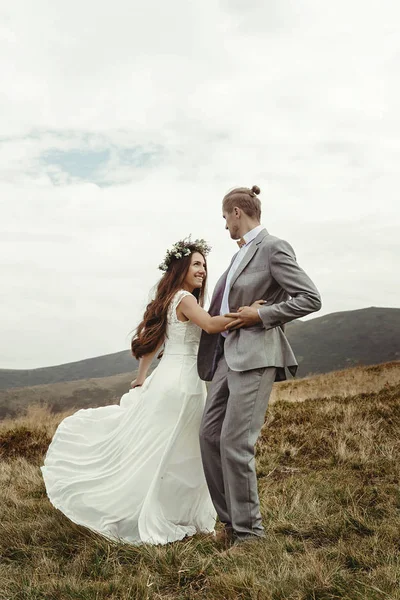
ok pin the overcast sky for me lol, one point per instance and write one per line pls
(124, 123)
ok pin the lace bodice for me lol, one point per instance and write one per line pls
(182, 337)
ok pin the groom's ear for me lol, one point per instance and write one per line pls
(237, 211)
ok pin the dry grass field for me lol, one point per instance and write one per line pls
(328, 467)
(349, 382)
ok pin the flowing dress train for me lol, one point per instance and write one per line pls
(133, 471)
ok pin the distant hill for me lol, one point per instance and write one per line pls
(90, 393)
(322, 344)
(346, 339)
(100, 366)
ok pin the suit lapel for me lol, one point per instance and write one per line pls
(249, 255)
(216, 301)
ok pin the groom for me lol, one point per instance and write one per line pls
(243, 363)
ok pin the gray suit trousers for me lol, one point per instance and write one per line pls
(232, 421)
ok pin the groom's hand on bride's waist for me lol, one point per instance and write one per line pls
(246, 316)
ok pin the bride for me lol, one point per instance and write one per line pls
(133, 472)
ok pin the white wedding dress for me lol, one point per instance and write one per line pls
(133, 471)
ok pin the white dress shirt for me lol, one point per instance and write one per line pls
(249, 237)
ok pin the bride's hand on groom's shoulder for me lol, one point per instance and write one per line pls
(246, 316)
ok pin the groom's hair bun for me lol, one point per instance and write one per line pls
(244, 198)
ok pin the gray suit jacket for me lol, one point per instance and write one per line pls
(269, 272)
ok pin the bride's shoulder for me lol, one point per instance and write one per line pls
(175, 302)
(177, 297)
(181, 294)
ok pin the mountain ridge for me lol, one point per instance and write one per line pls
(322, 344)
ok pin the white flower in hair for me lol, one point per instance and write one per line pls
(183, 248)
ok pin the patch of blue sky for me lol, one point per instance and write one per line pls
(139, 156)
(79, 164)
(91, 165)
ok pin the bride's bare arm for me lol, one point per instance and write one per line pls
(192, 311)
(144, 364)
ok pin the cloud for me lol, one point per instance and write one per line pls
(123, 125)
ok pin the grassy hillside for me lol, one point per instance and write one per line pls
(88, 393)
(323, 344)
(328, 481)
(84, 393)
(348, 382)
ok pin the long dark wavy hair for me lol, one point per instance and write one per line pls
(152, 329)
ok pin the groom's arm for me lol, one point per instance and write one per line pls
(304, 300)
(305, 297)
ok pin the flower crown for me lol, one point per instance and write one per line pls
(184, 248)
